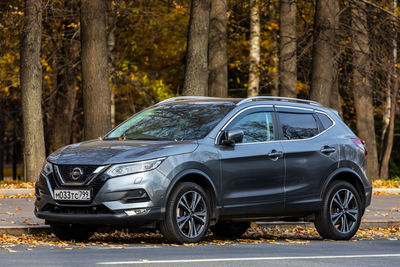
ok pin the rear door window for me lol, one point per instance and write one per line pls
(298, 125)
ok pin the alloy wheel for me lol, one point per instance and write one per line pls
(344, 211)
(191, 214)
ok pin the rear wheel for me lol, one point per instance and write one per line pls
(230, 229)
(340, 215)
(67, 231)
(187, 214)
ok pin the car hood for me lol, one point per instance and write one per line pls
(99, 152)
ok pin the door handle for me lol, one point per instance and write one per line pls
(327, 149)
(274, 154)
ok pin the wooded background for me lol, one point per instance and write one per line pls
(70, 70)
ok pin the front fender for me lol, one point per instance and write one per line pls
(185, 173)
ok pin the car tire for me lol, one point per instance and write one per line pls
(341, 212)
(230, 229)
(67, 231)
(187, 215)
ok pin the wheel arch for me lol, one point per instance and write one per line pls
(200, 178)
(350, 176)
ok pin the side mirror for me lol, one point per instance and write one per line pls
(233, 136)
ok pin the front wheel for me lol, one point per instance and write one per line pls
(341, 211)
(187, 215)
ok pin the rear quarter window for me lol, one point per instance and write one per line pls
(298, 125)
(325, 120)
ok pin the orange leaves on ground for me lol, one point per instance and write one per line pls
(18, 196)
(386, 184)
(16, 184)
(385, 193)
(255, 235)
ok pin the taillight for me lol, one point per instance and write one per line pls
(360, 144)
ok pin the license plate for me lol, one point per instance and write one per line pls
(71, 194)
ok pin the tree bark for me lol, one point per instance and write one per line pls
(217, 55)
(96, 93)
(31, 90)
(196, 69)
(254, 75)
(335, 100)
(2, 146)
(111, 23)
(324, 67)
(61, 121)
(287, 48)
(362, 88)
(390, 109)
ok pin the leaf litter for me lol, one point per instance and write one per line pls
(255, 235)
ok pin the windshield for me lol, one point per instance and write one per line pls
(173, 122)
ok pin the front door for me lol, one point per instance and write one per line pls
(253, 171)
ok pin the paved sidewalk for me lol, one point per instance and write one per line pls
(16, 215)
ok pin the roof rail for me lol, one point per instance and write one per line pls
(177, 98)
(278, 98)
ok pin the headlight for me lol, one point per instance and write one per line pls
(47, 168)
(135, 167)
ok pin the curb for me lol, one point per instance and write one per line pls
(17, 191)
(389, 190)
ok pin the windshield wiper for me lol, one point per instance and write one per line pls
(149, 139)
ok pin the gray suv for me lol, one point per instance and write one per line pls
(188, 164)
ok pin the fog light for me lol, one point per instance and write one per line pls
(137, 212)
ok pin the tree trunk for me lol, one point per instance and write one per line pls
(254, 75)
(217, 55)
(362, 88)
(196, 69)
(96, 93)
(387, 143)
(335, 101)
(61, 121)
(31, 90)
(390, 109)
(2, 147)
(111, 22)
(287, 48)
(324, 67)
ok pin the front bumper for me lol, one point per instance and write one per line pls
(101, 219)
(111, 200)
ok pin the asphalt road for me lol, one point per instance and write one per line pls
(315, 253)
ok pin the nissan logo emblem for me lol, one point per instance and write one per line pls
(76, 173)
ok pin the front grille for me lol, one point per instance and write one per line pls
(66, 172)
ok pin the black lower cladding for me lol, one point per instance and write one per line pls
(99, 209)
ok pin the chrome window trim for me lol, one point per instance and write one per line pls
(273, 141)
(308, 109)
(315, 136)
(237, 114)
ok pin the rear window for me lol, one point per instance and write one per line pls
(298, 125)
(325, 120)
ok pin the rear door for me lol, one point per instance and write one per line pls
(253, 171)
(311, 154)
